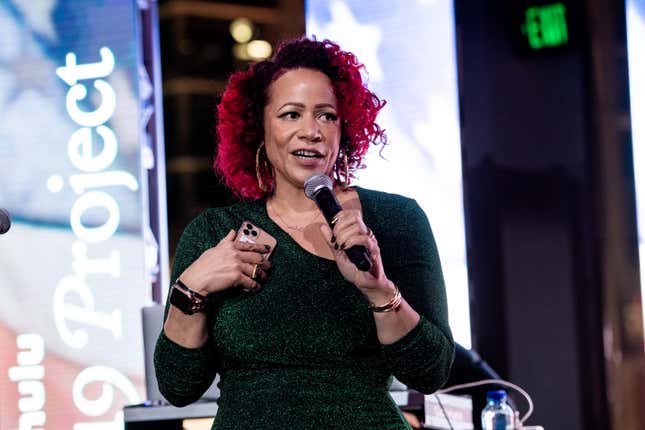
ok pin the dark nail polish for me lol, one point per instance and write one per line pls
(333, 239)
(268, 248)
(335, 246)
(342, 246)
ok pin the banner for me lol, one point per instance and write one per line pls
(78, 262)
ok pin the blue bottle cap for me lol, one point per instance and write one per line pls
(496, 396)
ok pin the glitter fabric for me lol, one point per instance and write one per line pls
(303, 352)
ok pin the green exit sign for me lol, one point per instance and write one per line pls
(545, 26)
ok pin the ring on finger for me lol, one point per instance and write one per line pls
(251, 290)
(254, 275)
(335, 219)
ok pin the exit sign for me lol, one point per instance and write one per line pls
(545, 26)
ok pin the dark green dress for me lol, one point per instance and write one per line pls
(303, 352)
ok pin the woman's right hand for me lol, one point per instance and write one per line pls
(230, 263)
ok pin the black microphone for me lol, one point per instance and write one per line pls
(318, 187)
(5, 221)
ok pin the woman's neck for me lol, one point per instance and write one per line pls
(300, 216)
(292, 200)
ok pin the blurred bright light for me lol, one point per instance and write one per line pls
(259, 49)
(240, 52)
(241, 29)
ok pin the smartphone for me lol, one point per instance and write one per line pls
(250, 233)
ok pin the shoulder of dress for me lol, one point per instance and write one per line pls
(231, 216)
(381, 199)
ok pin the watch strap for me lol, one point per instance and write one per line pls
(193, 302)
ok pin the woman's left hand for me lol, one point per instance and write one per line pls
(350, 230)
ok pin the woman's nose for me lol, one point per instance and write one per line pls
(310, 129)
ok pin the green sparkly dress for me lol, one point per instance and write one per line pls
(303, 352)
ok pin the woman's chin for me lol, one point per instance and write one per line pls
(298, 179)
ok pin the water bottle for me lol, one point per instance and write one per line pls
(497, 415)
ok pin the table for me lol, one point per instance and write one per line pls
(162, 416)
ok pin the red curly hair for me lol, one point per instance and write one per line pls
(240, 113)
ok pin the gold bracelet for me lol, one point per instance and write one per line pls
(392, 305)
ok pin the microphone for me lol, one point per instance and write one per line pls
(318, 187)
(5, 221)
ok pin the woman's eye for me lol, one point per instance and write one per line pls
(329, 116)
(290, 115)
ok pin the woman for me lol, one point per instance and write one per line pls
(304, 339)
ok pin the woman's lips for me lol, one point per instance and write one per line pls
(308, 161)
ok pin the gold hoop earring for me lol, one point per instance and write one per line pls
(258, 174)
(344, 184)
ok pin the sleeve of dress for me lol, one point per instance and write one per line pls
(184, 374)
(423, 357)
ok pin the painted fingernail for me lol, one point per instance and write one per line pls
(333, 239)
(335, 246)
(267, 247)
(342, 246)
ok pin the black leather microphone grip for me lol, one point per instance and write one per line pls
(329, 206)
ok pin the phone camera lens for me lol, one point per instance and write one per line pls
(246, 232)
(254, 233)
(249, 226)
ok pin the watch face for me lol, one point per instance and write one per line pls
(181, 301)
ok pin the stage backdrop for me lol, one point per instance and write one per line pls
(409, 51)
(78, 263)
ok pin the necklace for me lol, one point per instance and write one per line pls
(299, 228)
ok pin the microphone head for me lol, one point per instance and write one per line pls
(5, 221)
(316, 182)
